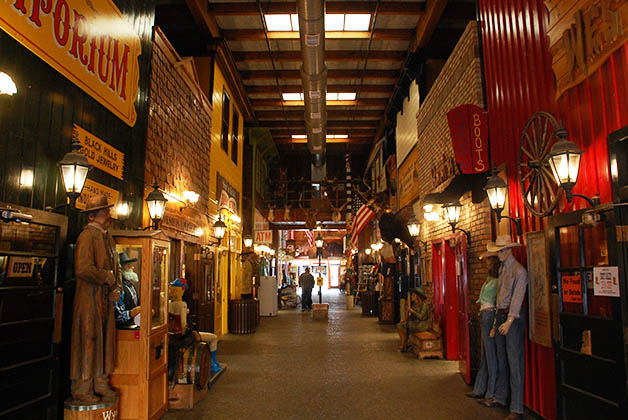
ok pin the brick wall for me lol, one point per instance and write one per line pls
(458, 83)
(179, 124)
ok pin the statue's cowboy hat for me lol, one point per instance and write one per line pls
(95, 203)
(180, 283)
(124, 259)
(487, 254)
(419, 291)
(502, 242)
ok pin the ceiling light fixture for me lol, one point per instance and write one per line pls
(337, 22)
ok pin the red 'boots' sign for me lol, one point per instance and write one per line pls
(468, 125)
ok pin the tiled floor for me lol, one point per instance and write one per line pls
(346, 368)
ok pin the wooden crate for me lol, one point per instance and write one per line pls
(185, 396)
(426, 344)
(320, 310)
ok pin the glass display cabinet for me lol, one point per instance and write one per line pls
(141, 369)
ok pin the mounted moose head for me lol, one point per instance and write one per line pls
(310, 214)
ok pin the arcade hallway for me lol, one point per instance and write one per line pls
(348, 368)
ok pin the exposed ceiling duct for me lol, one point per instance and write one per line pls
(314, 80)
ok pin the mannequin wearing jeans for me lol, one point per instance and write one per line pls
(487, 375)
(513, 282)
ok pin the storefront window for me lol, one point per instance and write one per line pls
(224, 133)
(234, 137)
(131, 271)
(569, 249)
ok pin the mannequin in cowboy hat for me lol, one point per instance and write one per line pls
(510, 323)
(127, 307)
(418, 318)
(249, 270)
(98, 284)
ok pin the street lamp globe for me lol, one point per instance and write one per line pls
(414, 227)
(219, 229)
(319, 241)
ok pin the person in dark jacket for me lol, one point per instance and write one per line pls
(306, 281)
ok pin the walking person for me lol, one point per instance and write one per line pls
(306, 282)
(509, 340)
(487, 376)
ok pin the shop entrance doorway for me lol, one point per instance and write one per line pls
(449, 276)
(200, 275)
(590, 355)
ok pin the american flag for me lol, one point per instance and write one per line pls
(310, 238)
(362, 217)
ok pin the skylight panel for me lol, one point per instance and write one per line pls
(334, 22)
(292, 96)
(357, 22)
(346, 96)
(295, 22)
(278, 22)
(299, 136)
(332, 96)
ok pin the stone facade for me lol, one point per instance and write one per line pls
(179, 124)
(459, 82)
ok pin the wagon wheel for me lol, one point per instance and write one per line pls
(538, 186)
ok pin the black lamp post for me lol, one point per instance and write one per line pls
(74, 168)
(497, 189)
(452, 211)
(156, 205)
(319, 250)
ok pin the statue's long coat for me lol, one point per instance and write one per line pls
(93, 326)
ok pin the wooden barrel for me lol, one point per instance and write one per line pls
(195, 365)
(103, 410)
(243, 315)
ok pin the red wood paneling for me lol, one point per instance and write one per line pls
(519, 82)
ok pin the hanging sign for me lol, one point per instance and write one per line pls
(93, 189)
(409, 178)
(228, 197)
(91, 43)
(264, 237)
(606, 281)
(99, 153)
(20, 267)
(468, 126)
(572, 289)
(582, 36)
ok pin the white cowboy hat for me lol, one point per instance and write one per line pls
(502, 242)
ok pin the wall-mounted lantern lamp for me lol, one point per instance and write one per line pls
(564, 159)
(367, 251)
(156, 205)
(430, 214)
(74, 168)
(497, 189)
(414, 227)
(248, 241)
(219, 230)
(452, 212)
(235, 218)
(190, 196)
(7, 85)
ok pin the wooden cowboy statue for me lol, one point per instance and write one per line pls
(98, 285)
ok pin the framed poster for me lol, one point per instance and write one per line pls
(539, 289)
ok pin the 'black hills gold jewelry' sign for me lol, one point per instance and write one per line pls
(582, 35)
(89, 42)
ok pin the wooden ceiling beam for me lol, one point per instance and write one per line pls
(362, 102)
(295, 56)
(331, 74)
(331, 115)
(205, 21)
(272, 89)
(427, 24)
(299, 125)
(251, 9)
(378, 35)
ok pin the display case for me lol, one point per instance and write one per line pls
(141, 370)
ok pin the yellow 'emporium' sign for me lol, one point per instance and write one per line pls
(88, 41)
(100, 154)
(92, 189)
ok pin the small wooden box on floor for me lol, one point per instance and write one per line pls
(426, 344)
(320, 310)
(104, 410)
